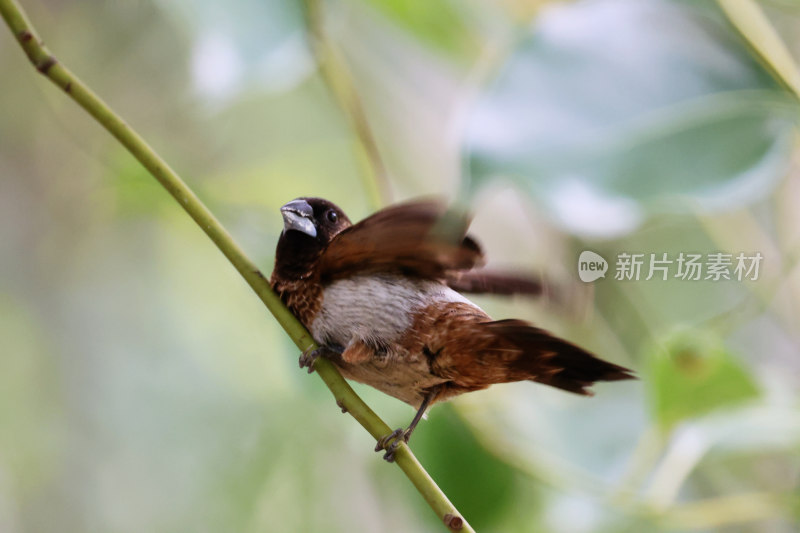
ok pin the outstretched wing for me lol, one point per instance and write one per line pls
(403, 238)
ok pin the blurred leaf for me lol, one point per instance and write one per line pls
(437, 23)
(693, 375)
(613, 108)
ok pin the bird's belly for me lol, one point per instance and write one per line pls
(401, 375)
(379, 311)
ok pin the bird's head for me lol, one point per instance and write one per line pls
(309, 225)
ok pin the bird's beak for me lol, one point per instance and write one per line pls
(298, 215)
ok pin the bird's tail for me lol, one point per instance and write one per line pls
(552, 361)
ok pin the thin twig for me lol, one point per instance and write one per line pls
(346, 398)
(340, 82)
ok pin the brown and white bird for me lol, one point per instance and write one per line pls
(379, 298)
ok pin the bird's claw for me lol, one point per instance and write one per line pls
(395, 438)
(383, 441)
(308, 358)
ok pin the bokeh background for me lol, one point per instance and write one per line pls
(143, 387)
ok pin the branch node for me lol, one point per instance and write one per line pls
(454, 522)
(340, 403)
(46, 64)
(24, 36)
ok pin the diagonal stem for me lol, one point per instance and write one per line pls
(340, 82)
(751, 21)
(48, 65)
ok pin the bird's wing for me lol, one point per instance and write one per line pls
(403, 238)
(488, 282)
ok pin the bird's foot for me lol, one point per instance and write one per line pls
(308, 358)
(311, 355)
(395, 438)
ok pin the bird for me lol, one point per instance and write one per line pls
(383, 300)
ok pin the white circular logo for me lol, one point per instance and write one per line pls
(591, 266)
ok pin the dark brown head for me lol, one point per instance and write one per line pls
(309, 225)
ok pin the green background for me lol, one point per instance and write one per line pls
(143, 387)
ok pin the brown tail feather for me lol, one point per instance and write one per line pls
(554, 361)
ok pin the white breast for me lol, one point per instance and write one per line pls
(375, 308)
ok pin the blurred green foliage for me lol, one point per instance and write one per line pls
(693, 375)
(439, 24)
(455, 458)
(144, 388)
(675, 97)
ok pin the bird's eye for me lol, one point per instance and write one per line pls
(332, 216)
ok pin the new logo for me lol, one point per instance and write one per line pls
(591, 266)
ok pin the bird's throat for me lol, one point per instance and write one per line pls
(296, 255)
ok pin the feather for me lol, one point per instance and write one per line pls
(488, 282)
(553, 361)
(399, 239)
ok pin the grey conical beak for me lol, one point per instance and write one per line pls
(298, 215)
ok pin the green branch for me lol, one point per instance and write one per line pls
(47, 65)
